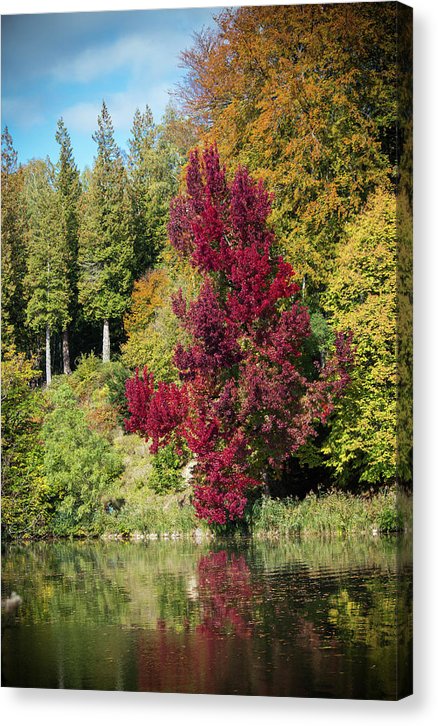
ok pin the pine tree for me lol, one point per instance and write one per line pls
(154, 165)
(13, 259)
(105, 245)
(69, 188)
(48, 257)
(140, 148)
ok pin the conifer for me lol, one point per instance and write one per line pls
(105, 244)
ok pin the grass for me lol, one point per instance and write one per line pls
(143, 511)
(160, 515)
(334, 513)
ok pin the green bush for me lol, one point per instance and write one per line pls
(166, 473)
(79, 464)
(87, 376)
(115, 378)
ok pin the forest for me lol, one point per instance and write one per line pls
(213, 327)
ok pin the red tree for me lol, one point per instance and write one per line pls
(243, 405)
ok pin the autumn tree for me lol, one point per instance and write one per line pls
(305, 96)
(147, 343)
(47, 279)
(179, 129)
(362, 296)
(151, 327)
(13, 258)
(69, 189)
(243, 404)
(105, 245)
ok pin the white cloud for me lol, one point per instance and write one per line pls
(81, 117)
(24, 112)
(136, 52)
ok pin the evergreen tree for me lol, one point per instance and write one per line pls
(140, 148)
(48, 257)
(13, 259)
(105, 245)
(69, 188)
(154, 165)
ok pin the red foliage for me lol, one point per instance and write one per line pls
(243, 404)
(154, 413)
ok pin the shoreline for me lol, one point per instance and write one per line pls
(334, 514)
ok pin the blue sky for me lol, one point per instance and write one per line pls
(64, 64)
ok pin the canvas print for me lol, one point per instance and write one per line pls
(207, 350)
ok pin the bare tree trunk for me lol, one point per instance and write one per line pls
(106, 342)
(65, 353)
(48, 357)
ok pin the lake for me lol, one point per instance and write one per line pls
(312, 617)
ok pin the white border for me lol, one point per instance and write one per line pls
(37, 707)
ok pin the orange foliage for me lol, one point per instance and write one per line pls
(305, 96)
(149, 294)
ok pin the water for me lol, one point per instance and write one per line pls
(313, 618)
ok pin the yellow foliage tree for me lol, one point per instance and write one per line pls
(362, 297)
(151, 327)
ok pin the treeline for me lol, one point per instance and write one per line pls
(314, 100)
(73, 243)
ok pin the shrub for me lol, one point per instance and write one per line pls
(79, 463)
(166, 469)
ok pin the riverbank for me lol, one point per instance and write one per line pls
(332, 514)
(72, 471)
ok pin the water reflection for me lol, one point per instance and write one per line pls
(299, 618)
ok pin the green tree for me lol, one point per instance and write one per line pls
(105, 243)
(48, 257)
(154, 165)
(141, 143)
(362, 297)
(69, 188)
(13, 258)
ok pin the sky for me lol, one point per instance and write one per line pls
(65, 64)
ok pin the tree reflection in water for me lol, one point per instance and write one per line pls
(294, 618)
(226, 592)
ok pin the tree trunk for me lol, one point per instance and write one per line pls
(48, 357)
(65, 353)
(106, 342)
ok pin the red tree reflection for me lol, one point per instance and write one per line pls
(225, 593)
